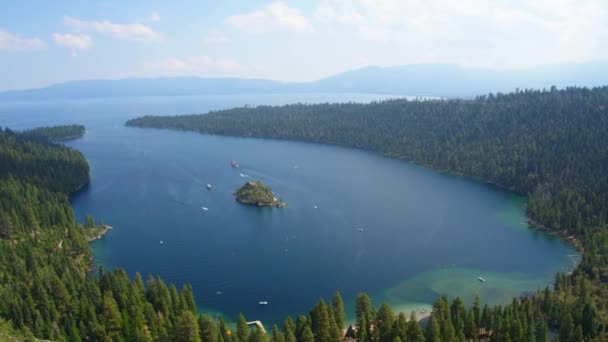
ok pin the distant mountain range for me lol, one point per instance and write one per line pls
(439, 80)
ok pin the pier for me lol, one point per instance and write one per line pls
(257, 324)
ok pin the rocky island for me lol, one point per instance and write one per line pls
(256, 193)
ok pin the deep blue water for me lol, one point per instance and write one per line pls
(425, 233)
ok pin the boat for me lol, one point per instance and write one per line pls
(205, 208)
(316, 206)
(234, 163)
(481, 279)
(161, 242)
(360, 229)
(263, 302)
(218, 292)
(209, 186)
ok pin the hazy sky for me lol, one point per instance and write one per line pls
(44, 41)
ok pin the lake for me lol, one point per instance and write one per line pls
(355, 221)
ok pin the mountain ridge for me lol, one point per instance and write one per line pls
(434, 80)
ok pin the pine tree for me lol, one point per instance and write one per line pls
(384, 322)
(457, 311)
(476, 311)
(470, 326)
(414, 331)
(289, 323)
(320, 322)
(338, 310)
(257, 336)
(337, 335)
(187, 298)
(566, 330)
(186, 328)
(307, 335)
(111, 316)
(277, 335)
(208, 329)
(433, 332)
(289, 332)
(242, 330)
(365, 317)
(448, 333)
(301, 324)
(224, 332)
(400, 327)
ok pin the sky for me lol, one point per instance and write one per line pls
(44, 42)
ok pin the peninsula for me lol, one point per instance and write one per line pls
(256, 193)
(55, 133)
(96, 233)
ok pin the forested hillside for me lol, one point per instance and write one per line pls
(46, 289)
(41, 163)
(550, 146)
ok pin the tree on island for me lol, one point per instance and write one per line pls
(257, 193)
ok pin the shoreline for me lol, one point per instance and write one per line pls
(563, 234)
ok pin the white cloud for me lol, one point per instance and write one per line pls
(276, 16)
(135, 32)
(200, 65)
(474, 32)
(74, 42)
(13, 42)
(215, 36)
(217, 39)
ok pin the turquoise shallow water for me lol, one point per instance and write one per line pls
(425, 233)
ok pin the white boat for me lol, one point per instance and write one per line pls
(360, 229)
(263, 302)
(218, 292)
(481, 279)
(161, 242)
(205, 208)
(209, 186)
(316, 206)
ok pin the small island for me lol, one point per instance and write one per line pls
(256, 193)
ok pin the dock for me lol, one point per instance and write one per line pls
(257, 324)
